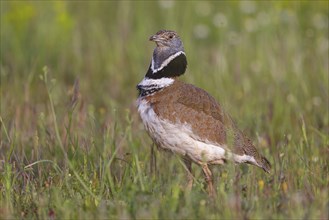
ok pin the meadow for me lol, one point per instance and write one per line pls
(72, 145)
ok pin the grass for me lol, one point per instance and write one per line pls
(72, 144)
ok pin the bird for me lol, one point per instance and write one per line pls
(186, 120)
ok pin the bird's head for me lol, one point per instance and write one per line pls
(166, 38)
(168, 58)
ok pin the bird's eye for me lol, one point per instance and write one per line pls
(171, 36)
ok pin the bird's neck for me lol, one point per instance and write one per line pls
(170, 66)
(150, 86)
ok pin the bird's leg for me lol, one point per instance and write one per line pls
(209, 180)
(153, 161)
(190, 177)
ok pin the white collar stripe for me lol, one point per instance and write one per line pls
(166, 62)
(160, 83)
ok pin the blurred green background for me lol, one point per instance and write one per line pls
(265, 62)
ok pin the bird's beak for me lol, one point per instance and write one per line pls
(156, 38)
(159, 41)
(152, 38)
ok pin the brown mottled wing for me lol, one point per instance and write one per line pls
(210, 121)
(204, 114)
